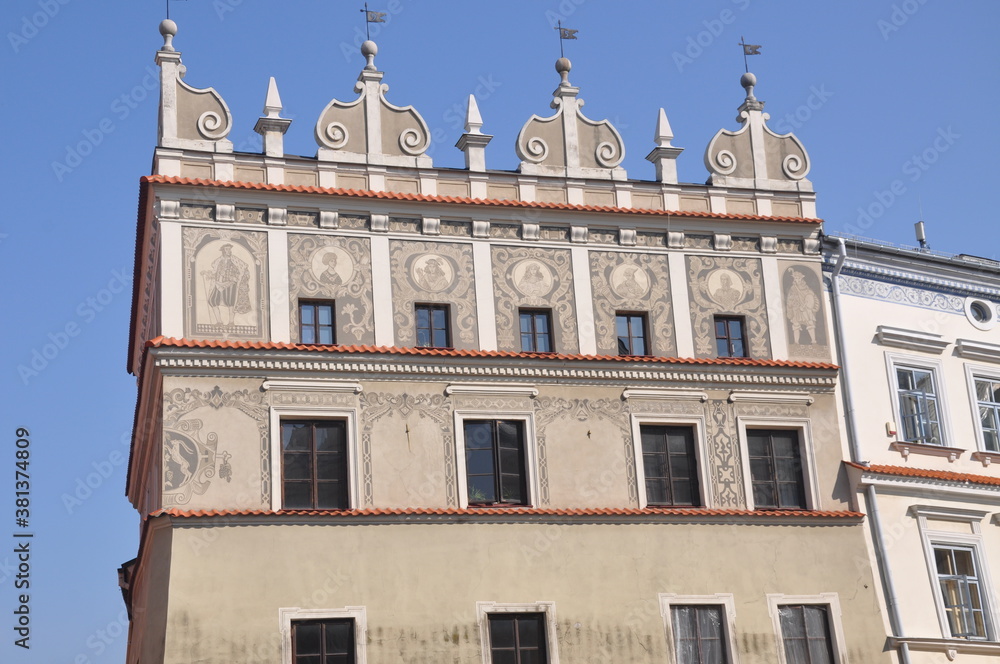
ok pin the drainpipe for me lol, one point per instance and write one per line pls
(853, 441)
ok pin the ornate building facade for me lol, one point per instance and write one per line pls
(921, 378)
(392, 412)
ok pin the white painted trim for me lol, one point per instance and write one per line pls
(898, 337)
(171, 281)
(989, 306)
(548, 608)
(697, 422)
(279, 413)
(382, 291)
(775, 307)
(974, 540)
(313, 385)
(277, 282)
(287, 615)
(797, 398)
(530, 449)
(936, 367)
(482, 262)
(492, 389)
(683, 332)
(977, 350)
(972, 372)
(725, 600)
(584, 301)
(831, 600)
(667, 394)
(803, 426)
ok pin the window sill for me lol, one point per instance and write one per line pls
(951, 647)
(493, 506)
(986, 458)
(905, 449)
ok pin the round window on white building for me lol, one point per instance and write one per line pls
(981, 313)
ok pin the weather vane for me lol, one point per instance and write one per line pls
(564, 33)
(748, 49)
(168, 8)
(371, 17)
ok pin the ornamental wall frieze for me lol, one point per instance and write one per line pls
(911, 296)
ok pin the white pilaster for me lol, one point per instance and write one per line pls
(775, 312)
(171, 280)
(382, 292)
(277, 279)
(485, 304)
(584, 300)
(683, 334)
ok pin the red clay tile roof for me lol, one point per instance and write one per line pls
(514, 511)
(165, 342)
(904, 471)
(493, 202)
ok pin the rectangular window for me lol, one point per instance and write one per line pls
(323, 642)
(729, 339)
(988, 399)
(316, 322)
(918, 405)
(699, 634)
(776, 469)
(805, 633)
(631, 331)
(669, 465)
(536, 330)
(518, 638)
(314, 464)
(961, 591)
(495, 462)
(432, 326)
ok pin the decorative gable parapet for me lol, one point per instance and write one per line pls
(569, 143)
(370, 129)
(190, 118)
(754, 156)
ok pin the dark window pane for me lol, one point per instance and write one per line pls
(479, 462)
(319, 456)
(482, 489)
(298, 495)
(494, 461)
(307, 639)
(295, 436)
(502, 632)
(331, 495)
(297, 466)
(340, 638)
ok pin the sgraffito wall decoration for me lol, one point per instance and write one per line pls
(805, 316)
(225, 284)
(537, 278)
(727, 286)
(326, 267)
(434, 273)
(632, 282)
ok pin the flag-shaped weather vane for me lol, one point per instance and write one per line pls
(371, 17)
(564, 33)
(748, 49)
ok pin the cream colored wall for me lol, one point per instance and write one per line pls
(420, 584)
(151, 597)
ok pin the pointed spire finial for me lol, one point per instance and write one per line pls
(168, 29)
(272, 103)
(369, 49)
(473, 119)
(664, 134)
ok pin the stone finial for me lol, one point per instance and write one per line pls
(569, 143)
(272, 126)
(664, 155)
(754, 156)
(473, 142)
(370, 129)
(189, 118)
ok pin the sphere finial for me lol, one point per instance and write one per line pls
(369, 49)
(563, 66)
(748, 80)
(168, 29)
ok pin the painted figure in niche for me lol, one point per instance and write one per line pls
(228, 287)
(431, 275)
(329, 276)
(628, 282)
(801, 307)
(533, 282)
(180, 460)
(723, 292)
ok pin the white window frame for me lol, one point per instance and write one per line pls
(725, 600)
(288, 615)
(807, 453)
(548, 608)
(280, 414)
(936, 367)
(697, 422)
(530, 450)
(929, 538)
(829, 600)
(972, 372)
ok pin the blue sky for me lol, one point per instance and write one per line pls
(895, 100)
